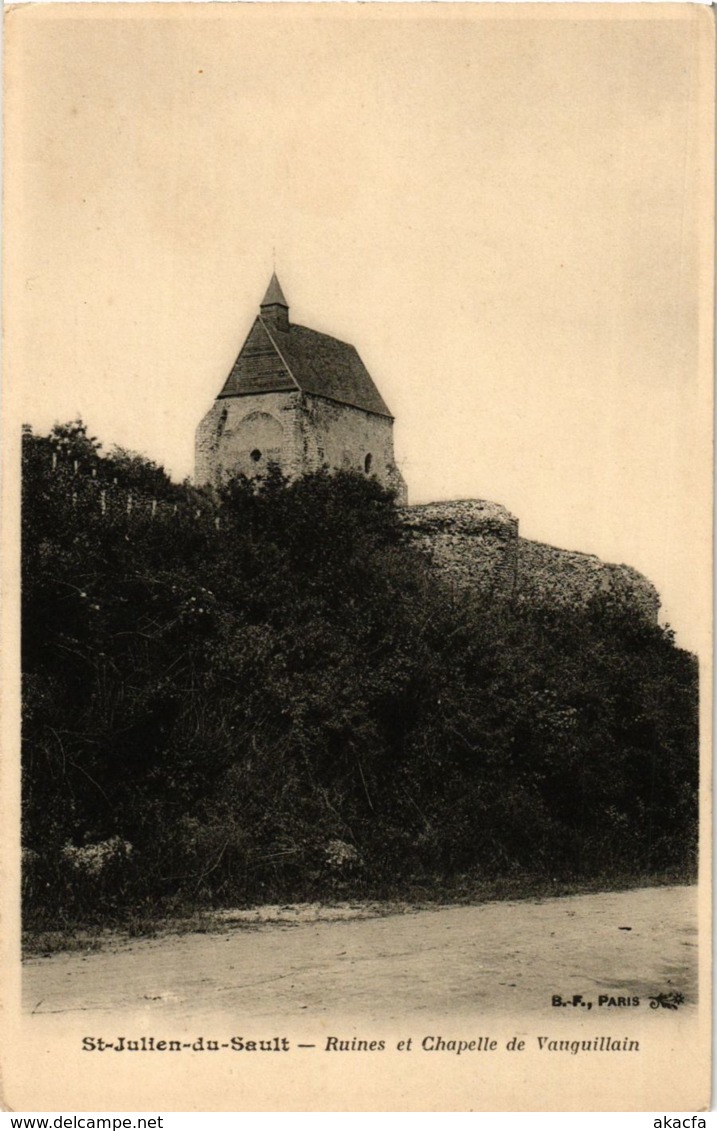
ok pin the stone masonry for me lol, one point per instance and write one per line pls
(472, 543)
(476, 547)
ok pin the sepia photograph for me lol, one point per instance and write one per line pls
(357, 556)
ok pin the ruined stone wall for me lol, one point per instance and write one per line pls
(475, 546)
(547, 575)
(472, 542)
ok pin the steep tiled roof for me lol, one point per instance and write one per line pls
(273, 361)
(258, 368)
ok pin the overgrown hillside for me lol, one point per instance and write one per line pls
(267, 695)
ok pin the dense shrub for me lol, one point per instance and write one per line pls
(266, 693)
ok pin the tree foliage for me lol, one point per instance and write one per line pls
(267, 693)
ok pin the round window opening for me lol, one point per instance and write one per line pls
(256, 455)
(367, 463)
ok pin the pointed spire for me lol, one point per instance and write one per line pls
(274, 295)
(274, 307)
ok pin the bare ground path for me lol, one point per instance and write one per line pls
(506, 957)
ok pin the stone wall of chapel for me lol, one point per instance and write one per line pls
(237, 428)
(346, 438)
(299, 433)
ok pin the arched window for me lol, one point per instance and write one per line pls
(367, 463)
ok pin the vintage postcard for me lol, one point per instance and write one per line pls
(357, 557)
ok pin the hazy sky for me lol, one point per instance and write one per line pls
(505, 209)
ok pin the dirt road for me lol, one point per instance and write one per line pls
(494, 958)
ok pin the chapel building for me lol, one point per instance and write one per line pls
(300, 400)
